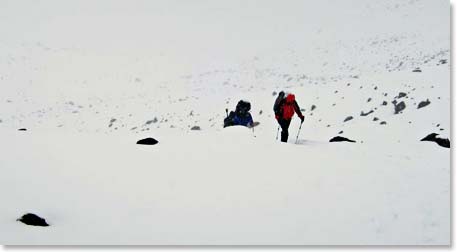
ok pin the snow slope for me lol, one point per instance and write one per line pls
(89, 79)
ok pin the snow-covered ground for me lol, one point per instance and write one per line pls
(87, 79)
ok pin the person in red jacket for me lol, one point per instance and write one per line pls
(284, 108)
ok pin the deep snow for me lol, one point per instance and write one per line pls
(89, 79)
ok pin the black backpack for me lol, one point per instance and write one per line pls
(276, 106)
(242, 107)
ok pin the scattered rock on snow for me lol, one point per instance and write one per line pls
(423, 104)
(365, 114)
(399, 106)
(348, 118)
(33, 220)
(152, 121)
(401, 94)
(111, 122)
(147, 141)
(341, 139)
(443, 142)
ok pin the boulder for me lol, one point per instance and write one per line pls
(341, 139)
(423, 104)
(33, 220)
(399, 106)
(147, 141)
(443, 142)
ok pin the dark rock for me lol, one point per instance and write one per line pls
(417, 70)
(369, 100)
(195, 128)
(399, 107)
(260, 112)
(443, 61)
(148, 141)
(348, 118)
(443, 142)
(375, 119)
(423, 104)
(274, 93)
(376, 88)
(152, 121)
(401, 94)
(365, 114)
(313, 107)
(33, 220)
(111, 122)
(341, 132)
(22, 129)
(384, 103)
(341, 139)
(383, 123)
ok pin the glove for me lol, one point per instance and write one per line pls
(302, 118)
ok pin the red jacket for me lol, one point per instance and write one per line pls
(287, 108)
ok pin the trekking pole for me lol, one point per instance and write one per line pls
(296, 140)
(226, 111)
(277, 133)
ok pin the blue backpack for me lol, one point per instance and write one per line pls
(241, 116)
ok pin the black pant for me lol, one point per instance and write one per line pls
(284, 123)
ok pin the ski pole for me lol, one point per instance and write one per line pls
(226, 111)
(296, 140)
